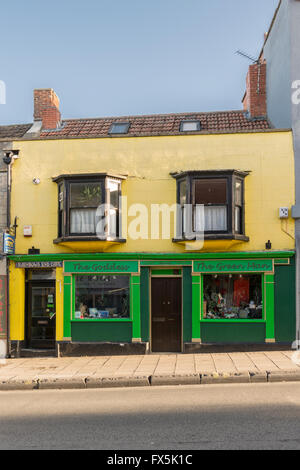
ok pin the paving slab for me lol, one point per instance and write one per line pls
(223, 362)
(152, 369)
(262, 362)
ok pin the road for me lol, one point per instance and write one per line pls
(245, 416)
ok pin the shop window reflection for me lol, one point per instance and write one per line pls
(232, 296)
(102, 297)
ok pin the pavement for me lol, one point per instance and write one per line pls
(148, 370)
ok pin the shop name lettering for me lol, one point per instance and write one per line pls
(98, 268)
(247, 266)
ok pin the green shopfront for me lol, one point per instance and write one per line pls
(142, 303)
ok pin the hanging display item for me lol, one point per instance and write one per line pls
(232, 296)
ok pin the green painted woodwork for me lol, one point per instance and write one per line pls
(269, 306)
(165, 272)
(196, 312)
(135, 306)
(163, 262)
(187, 305)
(285, 303)
(278, 298)
(67, 306)
(233, 332)
(234, 320)
(155, 257)
(92, 267)
(145, 304)
(282, 261)
(241, 266)
(101, 332)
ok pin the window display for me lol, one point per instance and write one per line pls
(102, 296)
(232, 296)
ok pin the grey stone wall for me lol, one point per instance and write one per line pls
(3, 193)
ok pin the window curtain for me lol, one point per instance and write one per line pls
(83, 221)
(215, 218)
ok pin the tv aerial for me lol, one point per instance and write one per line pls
(247, 56)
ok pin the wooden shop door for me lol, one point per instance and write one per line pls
(166, 314)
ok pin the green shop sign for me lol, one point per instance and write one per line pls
(101, 267)
(231, 266)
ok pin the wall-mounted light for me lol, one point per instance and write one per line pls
(268, 245)
(36, 180)
(10, 156)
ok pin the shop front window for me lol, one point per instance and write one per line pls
(232, 296)
(102, 297)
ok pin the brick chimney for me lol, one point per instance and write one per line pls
(46, 108)
(255, 98)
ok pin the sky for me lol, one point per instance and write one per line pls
(128, 57)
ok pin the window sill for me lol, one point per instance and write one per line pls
(89, 320)
(89, 244)
(88, 239)
(232, 320)
(221, 236)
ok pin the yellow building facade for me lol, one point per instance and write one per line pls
(143, 289)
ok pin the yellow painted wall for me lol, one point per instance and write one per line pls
(17, 303)
(148, 162)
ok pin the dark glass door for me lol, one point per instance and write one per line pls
(166, 314)
(41, 318)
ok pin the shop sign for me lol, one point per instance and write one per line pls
(2, 307)
(232, 266)
(39, 264)
(8, 244)
(101, 267)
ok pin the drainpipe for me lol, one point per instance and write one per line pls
(8, 160)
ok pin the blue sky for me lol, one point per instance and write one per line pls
(118, 57)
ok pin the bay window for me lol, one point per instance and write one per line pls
(211, 203)
(88, 207)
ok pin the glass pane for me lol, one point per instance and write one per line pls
(85, 194)
(237, 219)
(42, 301)
(215, 218)
(182, 192)
(211, 191)
(233, 296)
(113, 188)
(83, 221)
(190, 126)
(238, 193)
(102, 296)
(119, 128)
(60, 197)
